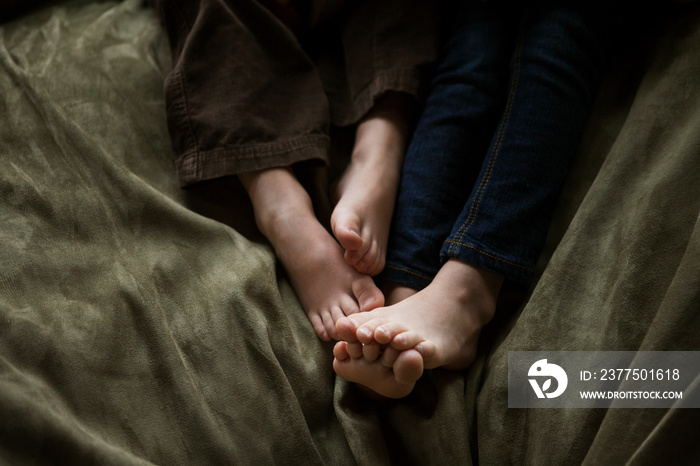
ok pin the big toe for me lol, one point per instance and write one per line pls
(367, 294)
(408, 367)
(345, 328)
(371, 263)
(346, 229)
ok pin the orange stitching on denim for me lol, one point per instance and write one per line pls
(401, 269)
(487, 254)
(474, 209)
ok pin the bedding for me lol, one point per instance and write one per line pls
(145, 324)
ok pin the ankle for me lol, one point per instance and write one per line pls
(385, 129)
(398, 109)
(277, 199)
(473, 287)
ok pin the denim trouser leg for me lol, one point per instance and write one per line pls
(494, 211)
(443, 160)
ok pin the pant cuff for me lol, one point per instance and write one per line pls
(199, 166)
(486, 258)
(404, 276)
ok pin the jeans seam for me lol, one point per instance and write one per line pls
(474, 209)
(453, 250)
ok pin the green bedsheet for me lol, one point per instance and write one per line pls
(140, 323)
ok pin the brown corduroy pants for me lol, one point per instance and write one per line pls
(256, 85)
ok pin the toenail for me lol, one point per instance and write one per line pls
(364, 332)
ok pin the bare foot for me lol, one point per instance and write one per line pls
(441, 324)
(365, 354)
(327, 287)
(395, 293)
(389, 378)
(366, 192)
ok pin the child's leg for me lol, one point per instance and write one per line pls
(385, 49)
(367, 190)
(275, 114)
(464, 103)
(502, 226)
(442, 162)
(328, 288)
(554, 72)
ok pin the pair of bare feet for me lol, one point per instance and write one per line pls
(332, 277)
(388, 348)
(383, 348)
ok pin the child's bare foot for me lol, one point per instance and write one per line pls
(366, 192)
(327, 287)
(392, 377)
(413, 365)
(441, 324)
(362, 216)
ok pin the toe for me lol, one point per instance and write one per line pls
(367, 294)
(428, 351)
(359, 258)
(345, 329)
(389, 357)
(354, 349)
(328, 324)
(365, 332)
(406, 340)
(352, 258)
(348, 305)
(340, 351)
(372, 262)
(336, 314)
(364, 259)
(388, 331)
(362, 318)
(371, 351)
(319, 327)
(408, 367)
(346, 229)
(360, 264)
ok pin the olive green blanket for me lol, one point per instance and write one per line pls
(140, 323)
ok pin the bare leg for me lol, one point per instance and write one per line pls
(366, 192)
(436, 327)
(328, 288)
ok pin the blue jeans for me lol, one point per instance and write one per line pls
(493, 146)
